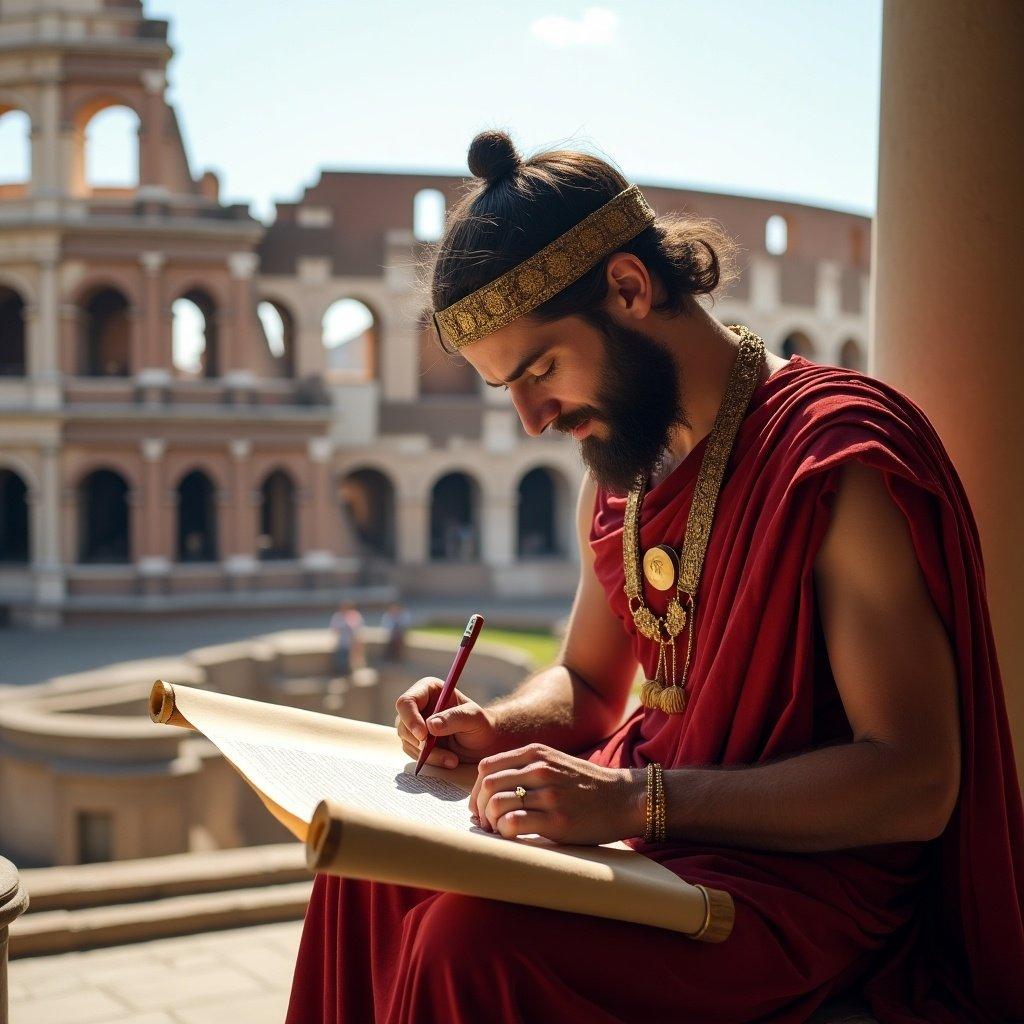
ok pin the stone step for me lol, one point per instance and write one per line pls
(93, 885)
(60, 931)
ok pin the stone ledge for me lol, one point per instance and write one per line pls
(180, 874)
(60, 931)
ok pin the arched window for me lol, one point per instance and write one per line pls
(15, 151)
(350, 339)
(103, 518)
(112, 148)
(797, 343)
(367, 500)
(442, 373)
(106, 330)
(279, 335)
(850, 355)
(277, 517)
(428, 215)
(197, 518)
(454, 534)
(537, 528)
(194, 335)
(13, 517)
(776, 235)
(12, 333)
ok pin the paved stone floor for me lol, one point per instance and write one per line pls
(214, 978)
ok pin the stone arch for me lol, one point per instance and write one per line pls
(455, 517)
(366, 500)
(542, 499)
(124, 139)
(278, 515)
(428, 214)
(351, 337)
(776, 235)
(279, 332)
(104, 332)
(851, 355)
(797, 342)
(16, 150)
(104, 517)
(14, 517)
(197, 517)
(13, 334)
(194, 334)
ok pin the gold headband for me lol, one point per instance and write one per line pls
(529, 284)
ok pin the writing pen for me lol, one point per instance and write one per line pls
(444, 698)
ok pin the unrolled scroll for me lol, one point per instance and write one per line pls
(347, 790)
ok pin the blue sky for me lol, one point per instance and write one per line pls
(771, 98)
(761, 97)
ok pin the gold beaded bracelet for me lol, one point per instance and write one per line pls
(655, 815)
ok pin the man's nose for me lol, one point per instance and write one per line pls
(535, 416)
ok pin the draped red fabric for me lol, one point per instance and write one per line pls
(930, 932)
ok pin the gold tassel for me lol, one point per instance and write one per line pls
(650, 693)
(672, 700)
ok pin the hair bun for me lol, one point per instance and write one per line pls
(492, 156)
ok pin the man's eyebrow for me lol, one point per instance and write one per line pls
(521, 368)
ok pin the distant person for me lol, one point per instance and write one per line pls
(395, 621)
(347, 625)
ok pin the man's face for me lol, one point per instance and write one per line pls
(613, 378)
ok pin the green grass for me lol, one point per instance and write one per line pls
(541, 647)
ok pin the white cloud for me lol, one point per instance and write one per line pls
(595, 28)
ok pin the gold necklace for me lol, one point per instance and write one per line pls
(658, 692)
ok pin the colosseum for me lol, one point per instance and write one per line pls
(200, 410)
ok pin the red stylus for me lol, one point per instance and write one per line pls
(473, 628)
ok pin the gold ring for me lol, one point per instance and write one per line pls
(521, 793)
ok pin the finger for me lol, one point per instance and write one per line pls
(520, 757)
(532, 777)
(524, 823)
(506, 800)
(412, 702)
(456, 719)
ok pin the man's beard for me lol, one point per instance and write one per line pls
(638, 398)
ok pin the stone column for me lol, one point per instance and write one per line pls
(13, 903)
(154, 551)
(497, 523)
(152, 185)
(71, 356)
(413, 528)
(316, 539)
(240, 546)
(46, 181)
(946, 330)
(46, 530)
(154, 368)
(43, 338)
(236, 323)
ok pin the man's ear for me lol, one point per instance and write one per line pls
(630, 288)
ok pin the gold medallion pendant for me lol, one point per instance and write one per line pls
(661, 564)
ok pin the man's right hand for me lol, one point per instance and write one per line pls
(465, 731)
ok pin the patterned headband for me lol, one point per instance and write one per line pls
(529, 284)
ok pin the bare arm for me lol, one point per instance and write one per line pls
(582, 697)
(893, 665)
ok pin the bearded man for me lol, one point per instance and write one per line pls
(788, 552)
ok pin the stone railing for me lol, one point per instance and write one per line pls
(13, 903)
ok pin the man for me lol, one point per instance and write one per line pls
(347, 626)
(835, 747)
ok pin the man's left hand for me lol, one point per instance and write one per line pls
(568, 799)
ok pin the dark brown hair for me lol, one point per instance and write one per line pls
(515, 207)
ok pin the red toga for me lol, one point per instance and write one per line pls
(931, 932)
